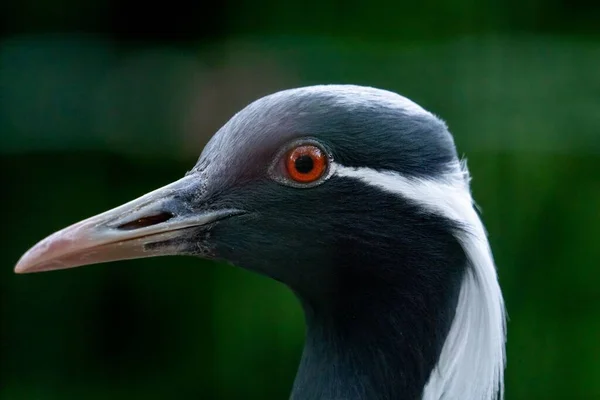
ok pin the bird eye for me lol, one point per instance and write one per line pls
(306, 163)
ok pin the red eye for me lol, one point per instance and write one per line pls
(306, 163)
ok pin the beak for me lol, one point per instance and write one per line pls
(152, 225)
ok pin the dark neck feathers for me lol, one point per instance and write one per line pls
(378, 331)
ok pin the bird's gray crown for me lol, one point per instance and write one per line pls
(360, 126)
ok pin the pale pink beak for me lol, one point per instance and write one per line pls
(145, 227)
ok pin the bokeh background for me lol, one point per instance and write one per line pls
(104, 100)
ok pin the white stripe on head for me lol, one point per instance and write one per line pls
(471, 365)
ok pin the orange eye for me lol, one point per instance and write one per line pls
(306, 163)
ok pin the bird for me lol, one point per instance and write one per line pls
(355, 198)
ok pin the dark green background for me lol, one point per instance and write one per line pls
(102, 101)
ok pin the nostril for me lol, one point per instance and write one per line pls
(145, 222)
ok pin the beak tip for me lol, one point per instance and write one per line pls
(41, 257)
(33, 259)
(22, 266)
(20, 269)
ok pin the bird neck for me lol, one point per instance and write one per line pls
(372, 345)
(429, 331)
(403, 308)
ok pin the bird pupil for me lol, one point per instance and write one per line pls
(304, 164)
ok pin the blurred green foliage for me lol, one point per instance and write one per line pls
(89, 122)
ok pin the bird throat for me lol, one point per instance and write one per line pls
(377, 336)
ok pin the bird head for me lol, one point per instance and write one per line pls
(274, 192)
(349, 195)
